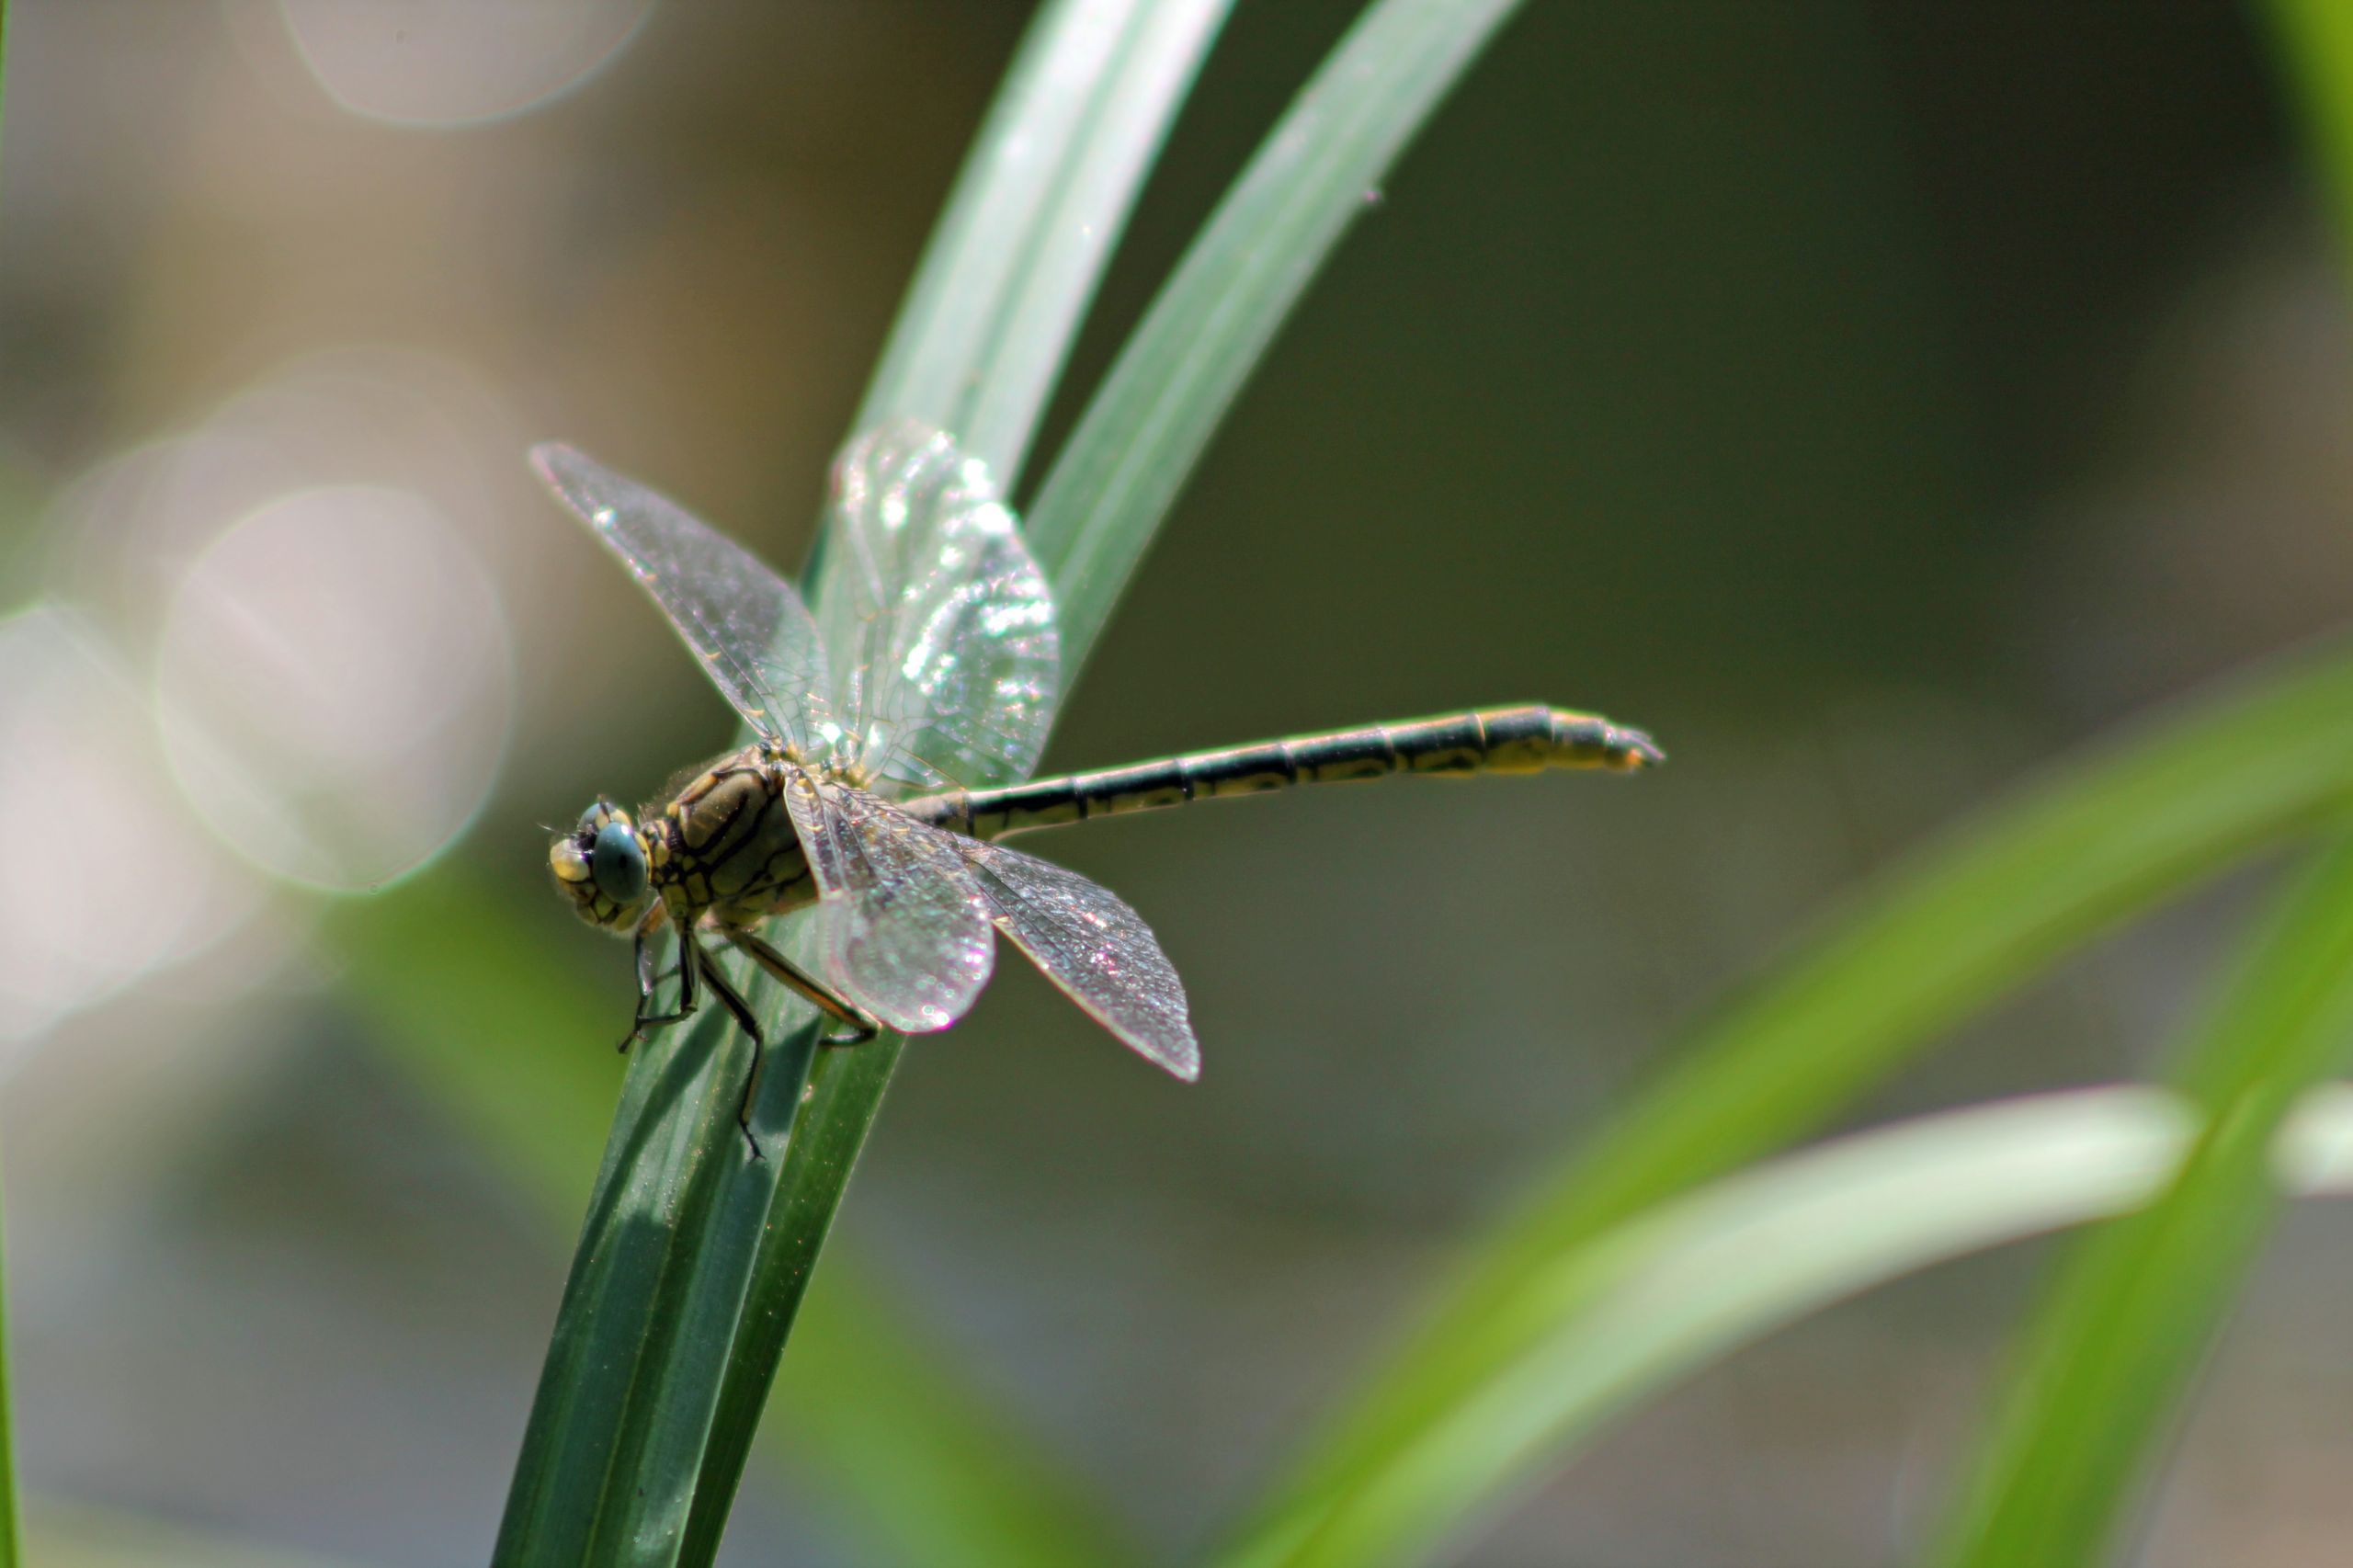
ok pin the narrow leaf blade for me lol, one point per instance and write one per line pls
(1965, 922)
(2114, 1350)
(1604, 1325)
(1213, 321)
(506, 1042)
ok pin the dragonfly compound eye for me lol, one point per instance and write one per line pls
(601, 866)
(618, 862)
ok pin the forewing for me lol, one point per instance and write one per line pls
(1093, 945)
(744, 622)
(940, 624)
(902, 922)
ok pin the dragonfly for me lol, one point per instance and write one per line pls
(930, 667)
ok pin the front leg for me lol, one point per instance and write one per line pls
(646, 979)
(732, 1000)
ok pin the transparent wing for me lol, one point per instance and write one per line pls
(903, 926)
(1093, 945)
(940, 625)
(744, 622)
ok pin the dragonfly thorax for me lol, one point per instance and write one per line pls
(723, 846)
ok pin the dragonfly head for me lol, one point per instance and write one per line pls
(601, 866)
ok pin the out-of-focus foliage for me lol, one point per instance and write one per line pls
(1981, 918)
(2132, 1317)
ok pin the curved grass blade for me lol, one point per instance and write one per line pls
(73, 1533)
(1962, 924)
(957, 1494)
(1363, 104)
(2314, 39)
(1062, 254)
(1213, 321)
(1596, 1329)
(682, 1291)
(1043, 195)
(2136, 1308)
(2118, 1342)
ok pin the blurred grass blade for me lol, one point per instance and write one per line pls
(1601, 1326)
(2315, 41)
(12, 1550)
(2136, 1309)
(12, 1547)
(75, 1534)
(1211, 322)
(1043, 195)
(506, 1040)
(1963, 923)
(956, 1492)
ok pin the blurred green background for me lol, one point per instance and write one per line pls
(1872, 400)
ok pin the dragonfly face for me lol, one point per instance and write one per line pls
(601, 865)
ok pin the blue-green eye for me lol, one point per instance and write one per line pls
(617, 863)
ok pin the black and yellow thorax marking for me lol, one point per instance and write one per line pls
(725, 846)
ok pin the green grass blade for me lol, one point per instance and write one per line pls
(507, 1040)
(12, 1547)
(2135, 1311)
(75, 1534)
(1380, 121)
(2115, 1348)
(648, 1319)
(651, 1396)
(1160, 49)
(2315, 40)
(1604, 1326)
(984, 333)
(956, 1492)
(1268, 238)
(1212, 324)
(1043, 195)
(1959, 925)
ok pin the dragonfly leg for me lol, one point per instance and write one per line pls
(646, 980)
(751, 946)
(732, 1000)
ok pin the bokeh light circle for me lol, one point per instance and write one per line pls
(107, 877)
(451, 63)
(334, 684)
